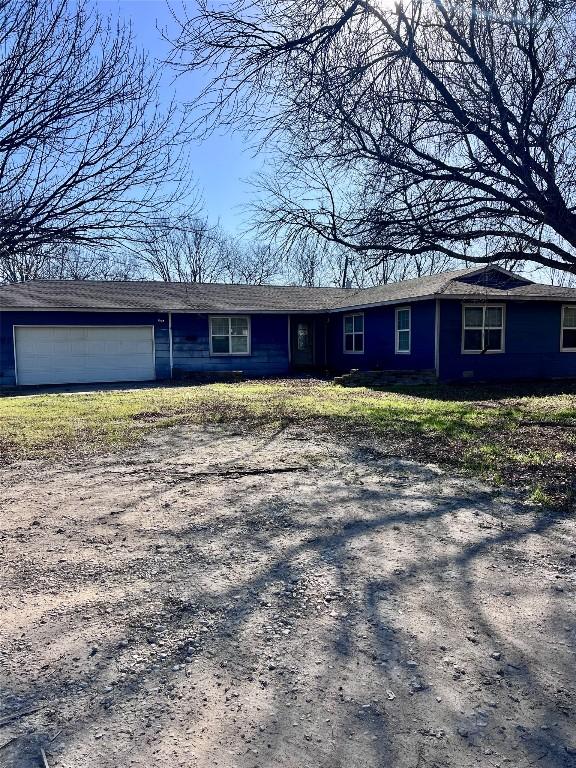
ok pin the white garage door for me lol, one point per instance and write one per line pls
(78, 354)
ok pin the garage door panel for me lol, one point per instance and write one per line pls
(83, 354)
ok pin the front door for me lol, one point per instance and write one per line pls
(302, 342)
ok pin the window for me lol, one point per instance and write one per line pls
(229, 336)
(403, 330)
(303, 336)
(568, 343)
(353, 334)
(483, 329)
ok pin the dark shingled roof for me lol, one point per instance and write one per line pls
(141, 296)
(527, 291)
(165, 297)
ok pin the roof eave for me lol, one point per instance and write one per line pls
(179, 310)
(491, 296)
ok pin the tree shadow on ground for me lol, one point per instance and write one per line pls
(480, 391)
(372, 613)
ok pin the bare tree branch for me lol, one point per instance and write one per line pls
(87, 154)
(443, 128)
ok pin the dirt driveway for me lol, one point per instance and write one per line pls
(280, 600)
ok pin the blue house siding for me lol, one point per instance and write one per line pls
(9, 319)
(532, 341)
(532, 345)
(321, 342)
(380, 339)
(269, 346)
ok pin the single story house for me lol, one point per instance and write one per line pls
(470, 324)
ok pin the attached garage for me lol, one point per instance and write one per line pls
(61, 354)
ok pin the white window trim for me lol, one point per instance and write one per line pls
(397, 350)
(481, 351)
(354, 333)
(229, 317)
(563, 328)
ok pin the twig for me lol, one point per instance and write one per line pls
(9, 742)
(18, 715)
(44, 758)
(232, 472)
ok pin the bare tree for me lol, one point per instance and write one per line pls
(186, 249)
(289, 207)
(77, 263)
(251, 262)
(86, 152)
(65, 262)
(307, 265)
(190, 249)
(448, 125)
(560, 277)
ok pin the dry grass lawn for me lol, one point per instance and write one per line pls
(522, 437)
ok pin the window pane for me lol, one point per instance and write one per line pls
(239, 326)
(493, 317)
(358, 342)
(220, 345)
(473, 341)
(239, 344)
(349, 342)
(359, 323)
(570, 317)
(403, 319)
(348, 324)
(219, 326)
(493, 338)
(403, 341)
(303, 336)
(569, 339)
(473, 317)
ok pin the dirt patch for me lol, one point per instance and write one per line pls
(283, 599)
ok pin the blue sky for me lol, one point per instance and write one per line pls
(221, 163)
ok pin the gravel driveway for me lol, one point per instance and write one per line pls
(241, 601)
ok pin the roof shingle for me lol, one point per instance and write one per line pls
(141, 296)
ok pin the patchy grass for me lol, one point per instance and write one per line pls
(523, 437)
